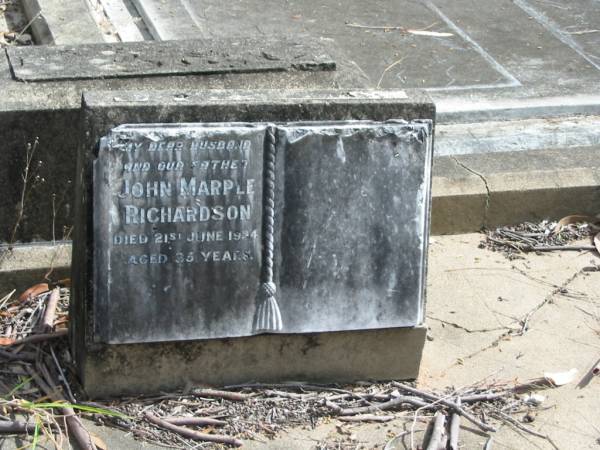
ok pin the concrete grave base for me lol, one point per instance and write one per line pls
(338, 357)
(22, 266)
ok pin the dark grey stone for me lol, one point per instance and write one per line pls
(177, 217)
(178, 229)
(131, 59)
(355, 224)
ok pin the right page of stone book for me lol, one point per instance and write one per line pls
(355, 225)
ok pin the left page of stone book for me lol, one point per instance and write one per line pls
(177, 231)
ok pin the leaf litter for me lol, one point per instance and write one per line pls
(545, 236)
(38, 387)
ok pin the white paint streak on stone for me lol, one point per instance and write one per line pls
(485, 55)
(561, 35)
(339, 150)
(460, 109)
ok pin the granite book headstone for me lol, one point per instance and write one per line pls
(186, 229)
(232, 240)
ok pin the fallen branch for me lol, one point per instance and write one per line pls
(448, 403)
(559, 290)
(73, 423)
(19, 356)
(583, 32)
(475, 398)
(47, 322)
(515, 423)
(391, 404)
(292, 395)
(292, 385)
(360, 396)
(226, 395)
(436, 440)
(366, 418)
(35, 338)
(195, 421)
(77, 430)
(454, 428)
(16, 427)
(401, 29)
(192, 434)
(468, 330)
(551, 248)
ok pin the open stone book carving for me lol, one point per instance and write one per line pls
(223, 230)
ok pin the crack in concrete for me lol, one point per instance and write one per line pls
(468, 330)
(485, 183)
(524, 321)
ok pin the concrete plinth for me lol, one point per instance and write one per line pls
(321, 357)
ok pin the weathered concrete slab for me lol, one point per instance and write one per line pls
(557, 82)
(125, 19)
(58, 22)
(490, 50)
(22, 266)
(476, 191)
(168, 21)
(131, 59)
(375, 37)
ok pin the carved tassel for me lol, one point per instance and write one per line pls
(267, 317)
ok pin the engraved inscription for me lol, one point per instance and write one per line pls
(186, 201)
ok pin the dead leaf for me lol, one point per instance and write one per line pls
(6, 341)
(34, 291)
(99, 443)
(561, 378)
(573, 219)
(65, 282)
(61, 321)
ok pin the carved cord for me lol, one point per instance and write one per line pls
(267, 316)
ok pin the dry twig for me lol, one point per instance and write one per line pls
(454, 428)
(227, 395)
(47, 324)
(366, 418)
(436, 440)
(192, 434)
(195, 421)
(37, 338)
(434, 398)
